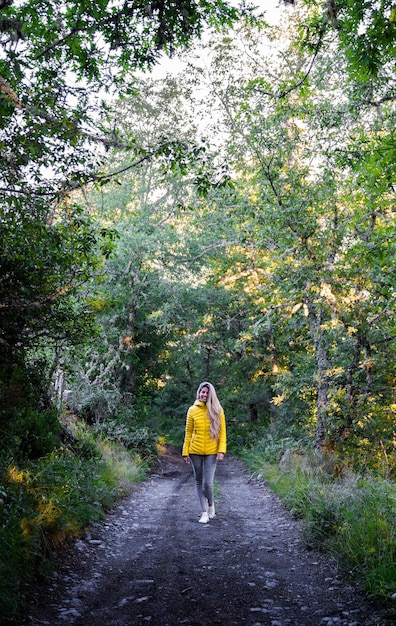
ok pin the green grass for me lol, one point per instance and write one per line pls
(47, 502)
(351, 517)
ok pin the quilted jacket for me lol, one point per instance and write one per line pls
(197, 438)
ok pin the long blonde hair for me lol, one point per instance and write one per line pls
(214, 409)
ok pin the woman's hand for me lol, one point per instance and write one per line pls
(220, 456)
(187, 460)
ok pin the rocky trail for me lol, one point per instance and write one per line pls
(151, 562)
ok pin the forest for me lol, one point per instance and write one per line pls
(193, 191)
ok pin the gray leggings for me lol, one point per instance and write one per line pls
(204, 467)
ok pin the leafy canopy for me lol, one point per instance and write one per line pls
(58, 60)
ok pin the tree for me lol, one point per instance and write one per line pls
(57, 65)
(294, 299)
(366, 32)
(140, 304)
(312, 199)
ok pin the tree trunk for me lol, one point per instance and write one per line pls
(207, 368)
(322, 380)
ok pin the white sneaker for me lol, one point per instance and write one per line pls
(212, 512)
(204, 518)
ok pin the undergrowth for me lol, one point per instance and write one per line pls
(46, 502)
(351, 516)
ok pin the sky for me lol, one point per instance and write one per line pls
(272, 11)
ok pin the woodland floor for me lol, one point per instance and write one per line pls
(151, 562)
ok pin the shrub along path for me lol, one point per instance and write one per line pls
(152, 563)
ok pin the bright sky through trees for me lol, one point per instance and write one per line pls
(272, 11)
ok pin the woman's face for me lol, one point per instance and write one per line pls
(203, 394)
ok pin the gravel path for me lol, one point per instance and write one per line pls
(152, 563)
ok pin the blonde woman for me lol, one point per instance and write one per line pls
(205, 443)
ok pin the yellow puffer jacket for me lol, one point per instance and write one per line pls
(197, 438)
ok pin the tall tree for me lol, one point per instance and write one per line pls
(305, 153)
(58, 64)
(146, 287)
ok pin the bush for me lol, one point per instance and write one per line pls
(352, 518)
(270, 449)
(46, 502)
(243, 434)
(137, 438)
(31, 434)
(17, 558)
(85, 444)
(366, 535)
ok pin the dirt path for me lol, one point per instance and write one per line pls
(152, 563)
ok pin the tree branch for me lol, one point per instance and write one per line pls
(56, 43)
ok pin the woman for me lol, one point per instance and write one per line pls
(205, 443)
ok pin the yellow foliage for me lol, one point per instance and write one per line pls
(327, 293)
(364, 443)
(277, 400)
(16, 475)
(160, 445)
(49, 513)
(28, 528)
(256, 375)
(296, 307)
(98, 304)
